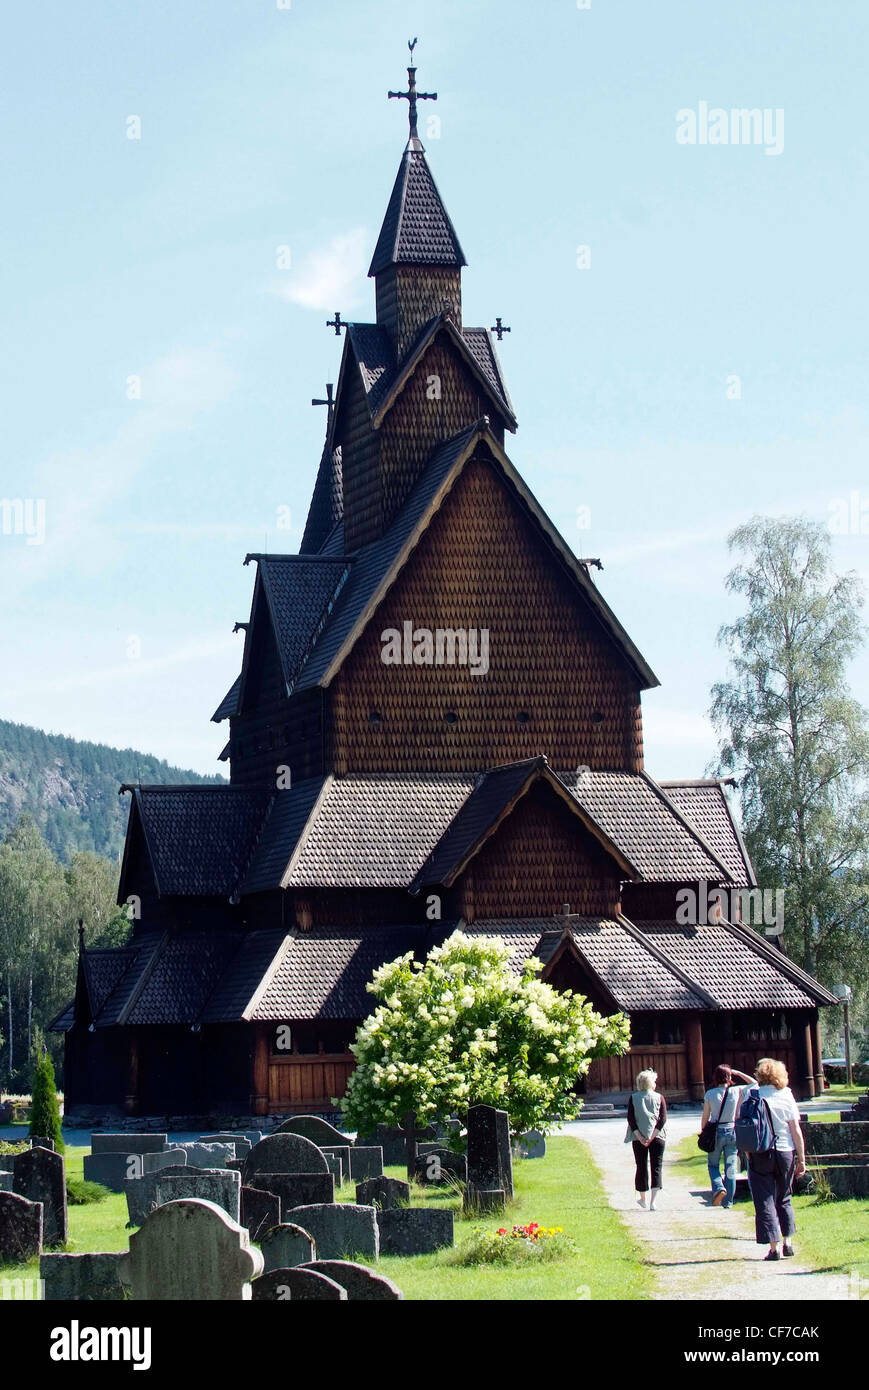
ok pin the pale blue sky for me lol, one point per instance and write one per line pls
(264, 127)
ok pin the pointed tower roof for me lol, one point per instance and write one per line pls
(416, 229)
(327, 502)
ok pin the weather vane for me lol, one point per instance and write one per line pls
(412, 96)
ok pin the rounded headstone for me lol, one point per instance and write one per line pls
(287, 1285)
(312, 1127)
(362, 1284)
(286, 1246)
(283, 1153)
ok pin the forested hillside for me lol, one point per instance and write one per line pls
(71, 788)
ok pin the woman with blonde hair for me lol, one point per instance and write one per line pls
(771, 1172)
(647, 1118)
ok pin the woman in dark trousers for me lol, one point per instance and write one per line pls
(647, 1118)
(771, 1175)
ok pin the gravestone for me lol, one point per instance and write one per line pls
(7, 1162)
(20, 1228)
(170, 1158)
(297, 1189)
(83, 1278)
(366, 1161)
(127, 1143)
(259, 1211)
(438, 1165)
(40, 1176)
(286, 1246)
(414, 1230)
(206, 1155)
(477, 1201)
(312, 1127)
(242, 1144)
(385, 1193)
(393, 1141)
(851, 1137)
(860, 1109)
(490, 1158)
(5, 1181)
(289, 1285)
(112, 1170)
(41, 1141)
(283, 1153)
(339, 1229)
(218, 1185)
(336, 1166)
(191, 1250)
(532, 1144)
(361, 1283)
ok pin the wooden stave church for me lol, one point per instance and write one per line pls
(422, 797)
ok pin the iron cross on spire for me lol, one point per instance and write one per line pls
(412, 96)
(337, 323)
(499, 329)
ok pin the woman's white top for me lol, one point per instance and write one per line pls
(782, 1108)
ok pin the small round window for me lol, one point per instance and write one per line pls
(523, 717)
(597, 717)
(451, 717)
(375, 718)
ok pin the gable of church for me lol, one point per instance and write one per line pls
(556, 684)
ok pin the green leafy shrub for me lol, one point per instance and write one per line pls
(463, 1029)
(80, 1192)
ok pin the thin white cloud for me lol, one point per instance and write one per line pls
(329, 276)
(126, 670)
(80, 484)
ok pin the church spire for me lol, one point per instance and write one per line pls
(418, 259)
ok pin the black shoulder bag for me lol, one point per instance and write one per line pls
(708, 1134)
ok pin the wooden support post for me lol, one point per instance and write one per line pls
(804, 1060)
(816, 1049)
(259, 1101)
(131, 1100)
(694, 1040)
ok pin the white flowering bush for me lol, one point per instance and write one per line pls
(463, 1029)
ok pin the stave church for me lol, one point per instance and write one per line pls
(437, 725)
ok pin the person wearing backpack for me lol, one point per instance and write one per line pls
(768, 1131)
(720, 1105)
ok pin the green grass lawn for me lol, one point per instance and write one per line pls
(562, 1189)
(832, 1236)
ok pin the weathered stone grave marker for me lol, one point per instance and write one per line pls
(191, 1250)
(40, 1175)
(20, 1228)
(339, 1229)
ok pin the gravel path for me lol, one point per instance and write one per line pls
(696, 1250)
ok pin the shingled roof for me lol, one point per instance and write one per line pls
(323, 973)
(739, 968)
(199, 838)
(300, 592)
(377, 564)
(370, 348)
(495, 793)
(635, 977)
(416, 229)
(375, 831)
(707, 806)
(649, 829)
(327, 501)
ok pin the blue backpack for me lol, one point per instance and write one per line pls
(754, 1131)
